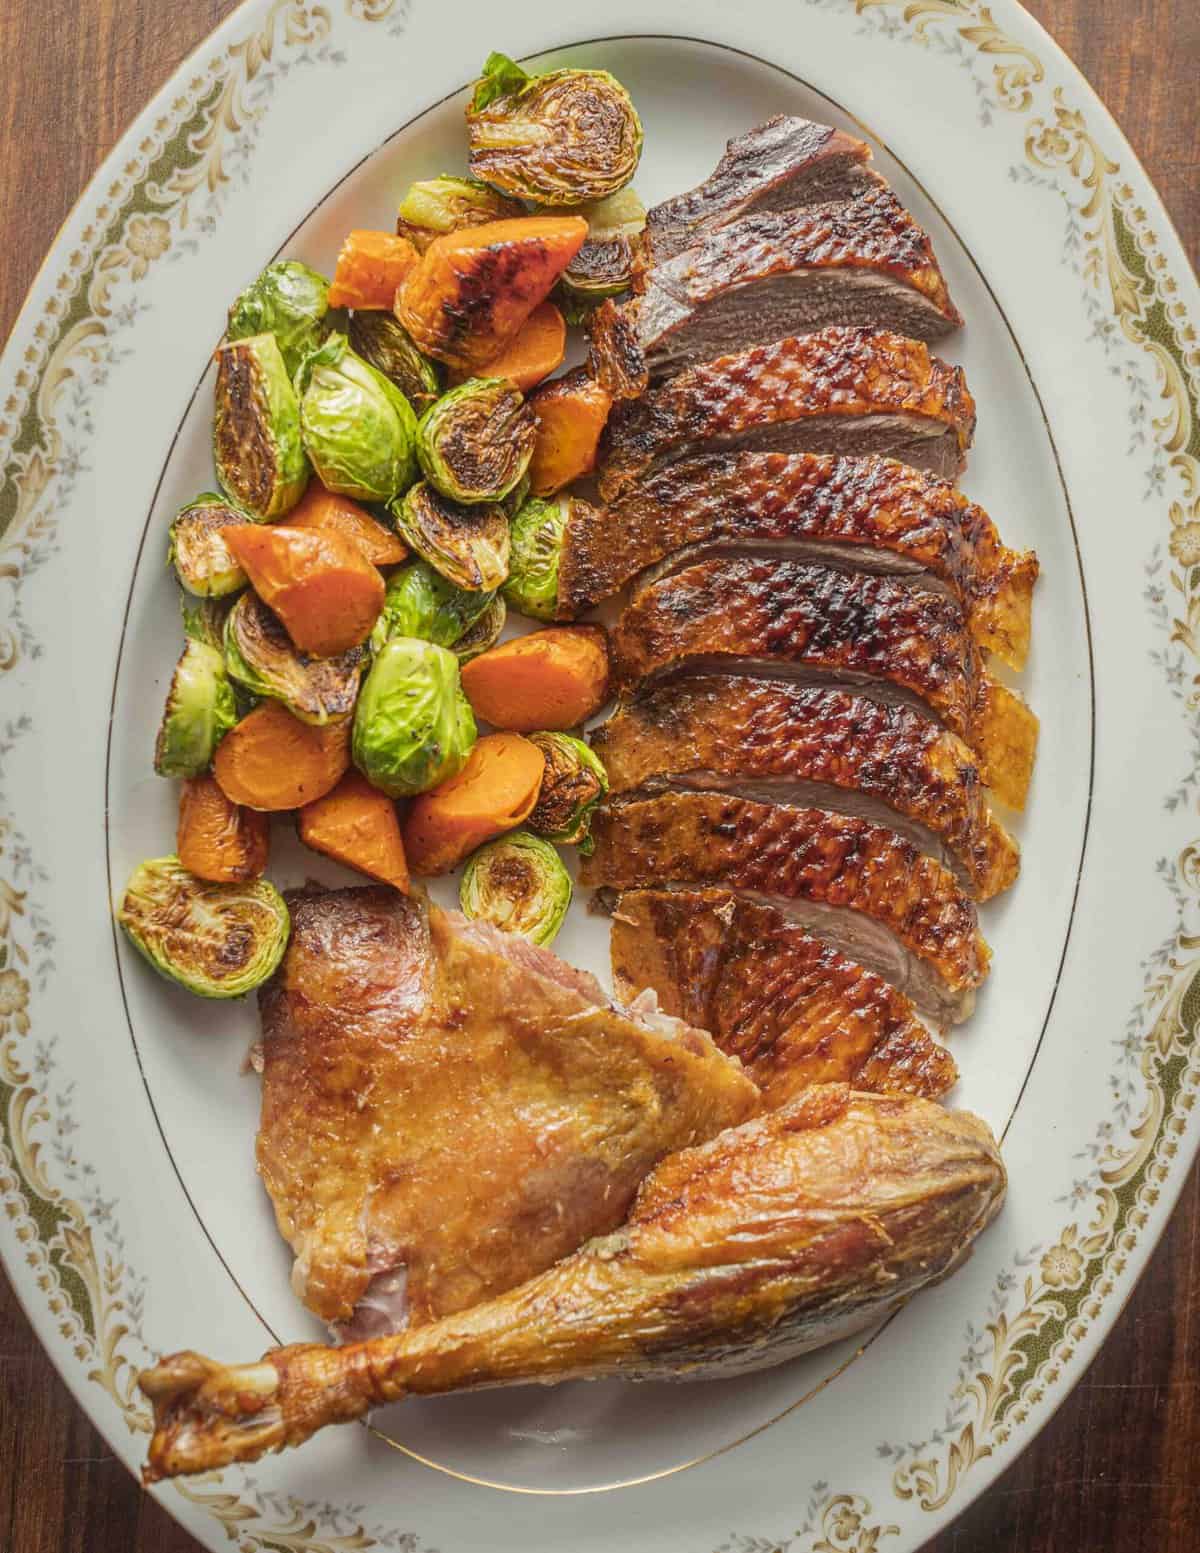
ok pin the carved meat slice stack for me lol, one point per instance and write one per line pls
(809, 736)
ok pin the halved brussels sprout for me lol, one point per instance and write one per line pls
(604, 265)
(468, 545)
(289, 301)
(437, 205)
(564, 138)
(574, 783)
(413, 726)
(200, 711)
(256, 429)
(537, 539)
(484, 633)
(217, 940)
(202, 560)
(358, 428)
(385, 344)
(474, 444)
(421, 603)
(259, 655)
(519, 884)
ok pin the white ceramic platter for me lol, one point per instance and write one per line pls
(133, 1221)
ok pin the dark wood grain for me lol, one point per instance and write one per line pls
(1117, 1470)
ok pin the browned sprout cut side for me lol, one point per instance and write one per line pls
(518, 884)
(202, 560)
(476, 442)
(260, 657)
(446, 204)
(574, 783)
(259, 456)
(469, 546)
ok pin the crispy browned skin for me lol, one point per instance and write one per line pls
(878, 512)
(792, 1231)
(717, 731)
(799, 618)
(818, 379)
(435, 1104)
(797, 854)
(782, 164)
(789, 1005)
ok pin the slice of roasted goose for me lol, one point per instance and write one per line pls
(813, 745)
(862, 261)
(868, 514)
(780, 165)
(791, 619)
(859, 885)
(791, 1007)
(834, 391)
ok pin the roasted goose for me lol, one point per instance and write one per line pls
(790, 1006)
(863, 887)
(862, 261)
(798, 620)
(783, 164)
(813, 745)
(870, 514)
(791, 1231)
(447, 1109)
(835, 391)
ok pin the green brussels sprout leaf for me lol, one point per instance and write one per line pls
(256, 429)
(574, 783)
(518, 884)
(421, 603)
(358, 428)
(259, 656)
(469, 546)
(289, 301)
(200, 711)
(217, 940)
(202, 560)
(413, 726)
(501, 77)
(475, 443)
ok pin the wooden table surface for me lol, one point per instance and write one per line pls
(1118, 1469)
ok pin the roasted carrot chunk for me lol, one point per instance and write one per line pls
(217, 839)
(273, 761)
(356, 824)
(370, 269)
(494, 791)
(322, 509)
(319, 583)
(474, 288)
(549, 679)
(533, 353)
(570, 414)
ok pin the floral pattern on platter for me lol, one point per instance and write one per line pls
(164, 202)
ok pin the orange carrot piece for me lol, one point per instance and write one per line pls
(571, 413)
(475, 287)
(494, 791)
(322, 509)
(549, 679)
(532, 354)
(370, 268)
(217, 839)
(356, 824)
(319, 583)
(273, 761)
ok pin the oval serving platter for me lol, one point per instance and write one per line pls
(133, 1221)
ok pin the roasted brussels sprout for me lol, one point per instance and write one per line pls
(217, 940)
(385, 344)
(564, 138)
(574, 783)
(537, 539)
(289, 301)
(469, 546)
(200, 711)
(484, 633)
(358, 428)
(259, 655)
(421, 603)
(445, 204)
(517, 883)
(413, 726)
(202, 560)
(474, 444)
(604, 265)
(256, 428)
